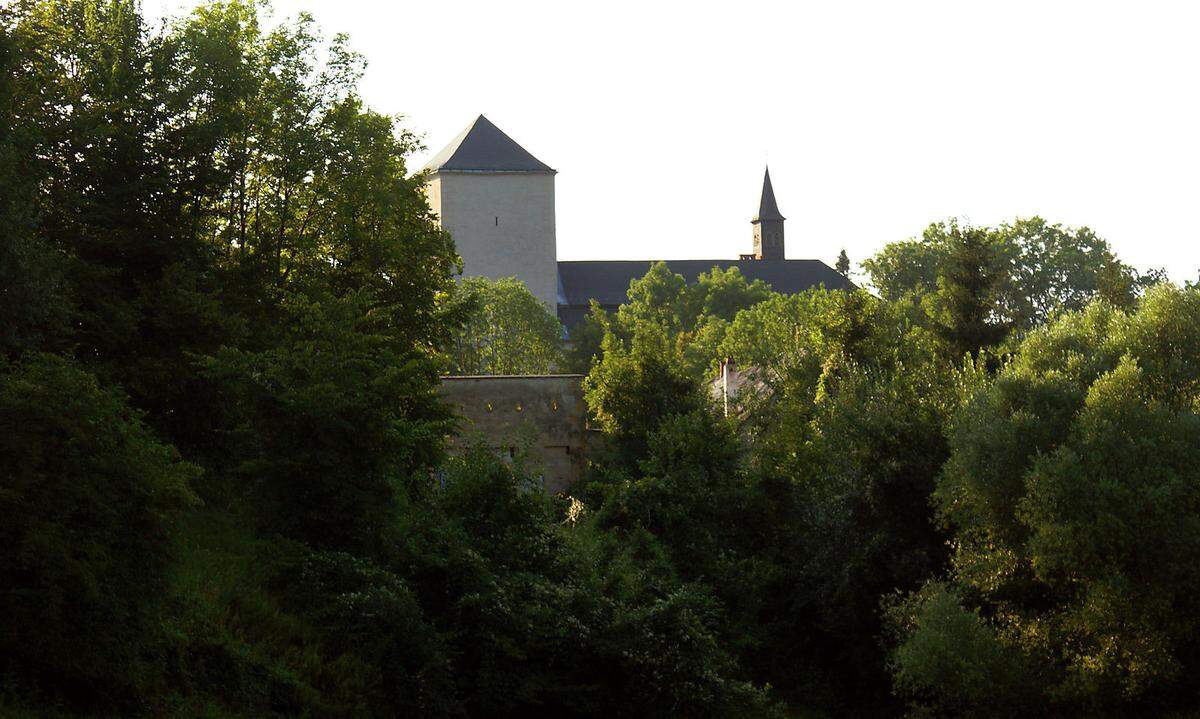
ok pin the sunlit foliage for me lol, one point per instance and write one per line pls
(1071, 492)
(508, 331)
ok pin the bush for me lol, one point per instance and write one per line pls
(952, 662)
(368, 618)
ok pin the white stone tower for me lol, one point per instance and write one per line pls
(497, 202)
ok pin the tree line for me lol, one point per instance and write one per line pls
(224, 308)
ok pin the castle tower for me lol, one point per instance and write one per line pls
(768, 224)
(497, 202)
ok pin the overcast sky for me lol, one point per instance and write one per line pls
(876, 118)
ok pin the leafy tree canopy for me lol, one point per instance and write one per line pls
(1071, 491)
(1038, 269)
(509, 331)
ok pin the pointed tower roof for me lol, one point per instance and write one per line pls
(483, 147)
(767, 209)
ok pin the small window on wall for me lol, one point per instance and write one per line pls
(497, 220)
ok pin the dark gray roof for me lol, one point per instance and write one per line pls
(571, 316)
(607, 281)
(483, 147)
(767, 209)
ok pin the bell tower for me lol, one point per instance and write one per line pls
(768, 224)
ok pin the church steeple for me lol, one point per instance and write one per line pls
(768, 224)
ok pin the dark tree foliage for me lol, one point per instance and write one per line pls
(87, 495)
(969, 279)
(561, 618)
(846, 440)
(330, 423)
(686, 489)
(138, 286)
(32, 304)
(370, 619)
(865, 524)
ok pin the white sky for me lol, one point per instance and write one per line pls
(876, 117)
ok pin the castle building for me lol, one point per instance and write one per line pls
(497, 201)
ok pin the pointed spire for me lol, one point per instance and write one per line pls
(767, 209)
(483, 147)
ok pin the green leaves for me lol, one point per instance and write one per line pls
(952, 662)
(88, 496)
(966, 309)
(683, 323)
(976, 285)
(1073, 493)
(508, 331)
(331, 421)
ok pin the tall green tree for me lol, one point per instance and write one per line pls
(845, 428)
(240, 251)
(139, 291)
(509, 331)
(966, 310)
(1044, 269)
(32, 302)
(843, 263)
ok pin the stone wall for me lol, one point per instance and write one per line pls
(502, 224)
(542, 414)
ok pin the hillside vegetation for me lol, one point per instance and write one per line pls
(224, 489)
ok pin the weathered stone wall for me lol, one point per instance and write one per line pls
(544, 414)
(502, 224)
